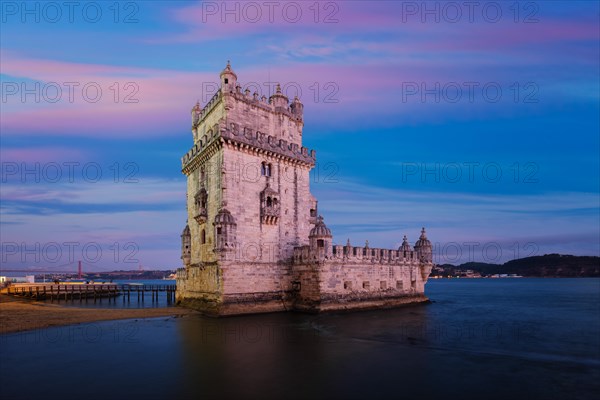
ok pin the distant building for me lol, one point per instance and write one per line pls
(467, 273)
(254, 241)
(18, 279)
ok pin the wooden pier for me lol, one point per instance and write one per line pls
(43, 291)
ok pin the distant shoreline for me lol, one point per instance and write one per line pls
(511, 277)
(18, 315)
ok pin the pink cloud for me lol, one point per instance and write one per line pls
(205, 21)
(121, 101)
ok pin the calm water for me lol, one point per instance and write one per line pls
(485, 339)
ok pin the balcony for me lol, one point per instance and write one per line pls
(201, 216)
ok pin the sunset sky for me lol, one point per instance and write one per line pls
(478, 121)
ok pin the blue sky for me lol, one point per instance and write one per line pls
(480, 124)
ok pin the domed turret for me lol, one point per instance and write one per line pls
(423, 248)
(320, 230)
(297, 108)
(186, 248)
(225, 228)
(224, 217)
(320, 240)
(228, 79)
(279, 100)
(405, 247)
(196, 110)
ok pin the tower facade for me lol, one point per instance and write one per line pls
(253, 241)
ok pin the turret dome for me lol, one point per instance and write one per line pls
(320, 229)
(423, 241)
(228, 71)
(405, 245)
(224, 217)
(186, 231)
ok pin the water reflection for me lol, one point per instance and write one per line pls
(300, 356)
(537, 339)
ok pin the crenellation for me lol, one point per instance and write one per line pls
(254, 241)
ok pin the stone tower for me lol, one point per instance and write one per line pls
(253, 241)
(248, 197)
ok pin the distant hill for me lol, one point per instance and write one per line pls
(548, 265)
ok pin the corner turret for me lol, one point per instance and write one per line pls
(279, 100)
(423, 248)
(405, 248)
(186, 248)
(320, 240)
(196, 110)
(225, 229)
(228, 79)
(297, 108)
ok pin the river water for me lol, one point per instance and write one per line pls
(479, 339)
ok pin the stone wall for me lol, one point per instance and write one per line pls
(342, 285)
(226, 288)
(200, 287)
(203, 252)
(259, 241)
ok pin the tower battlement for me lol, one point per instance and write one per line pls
(292, 109)
(253, 241)
(260, 141)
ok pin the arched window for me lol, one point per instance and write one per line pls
(203, 237)
(265, 169)
(269, 202)
(202, 174)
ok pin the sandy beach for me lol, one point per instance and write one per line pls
(21, 315)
